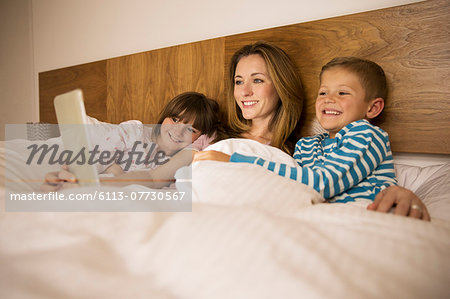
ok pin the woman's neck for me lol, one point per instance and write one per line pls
(259, 132)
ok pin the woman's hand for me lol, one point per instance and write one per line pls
(404, 202)
(211, 155)
(63, 179)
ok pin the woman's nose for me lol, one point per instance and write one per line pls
(246, 90)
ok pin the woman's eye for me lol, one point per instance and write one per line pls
(175, 119)
(238, 82)
(258, 81)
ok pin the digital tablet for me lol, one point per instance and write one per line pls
(72, 122)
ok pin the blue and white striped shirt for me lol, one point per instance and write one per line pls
(356, 164)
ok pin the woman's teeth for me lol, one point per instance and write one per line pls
(249, 103)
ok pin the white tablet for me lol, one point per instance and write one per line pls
(72, 121)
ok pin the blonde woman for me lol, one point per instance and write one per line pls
(265, 96)
(265, 101)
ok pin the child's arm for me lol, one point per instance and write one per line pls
(361, 150)
(156, 178)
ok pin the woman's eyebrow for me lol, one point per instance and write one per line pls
(252, 74)
(255, 74)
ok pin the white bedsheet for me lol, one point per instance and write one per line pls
(252, 234)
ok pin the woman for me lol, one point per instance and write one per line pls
(265, 101)
(265, 96)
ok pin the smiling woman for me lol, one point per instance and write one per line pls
(262, 82)
(265, 96)
(256, 96)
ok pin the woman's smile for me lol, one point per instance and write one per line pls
(249, 104)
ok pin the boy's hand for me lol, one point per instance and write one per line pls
(211, 155)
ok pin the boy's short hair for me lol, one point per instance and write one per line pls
(370, 74)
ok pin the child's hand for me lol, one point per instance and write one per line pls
(114, 169)
(55, 181)
(211, 155)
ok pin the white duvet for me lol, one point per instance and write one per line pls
(251, 234)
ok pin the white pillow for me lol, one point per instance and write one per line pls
(252, 148)
(431, 183)
(435, 192)
(242, 184)
(411, 177)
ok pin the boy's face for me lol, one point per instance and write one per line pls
(341, 100)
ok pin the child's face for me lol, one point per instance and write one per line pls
(341, 100)
(176, 135)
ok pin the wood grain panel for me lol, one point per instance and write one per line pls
(90, 77)
(140, 85)
(410, 42)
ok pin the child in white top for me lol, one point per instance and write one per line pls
(150, 155)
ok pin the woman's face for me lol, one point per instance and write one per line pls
(254, 91)
(176, 135)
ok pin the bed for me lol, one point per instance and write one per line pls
(248, 233)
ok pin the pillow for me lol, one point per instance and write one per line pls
(431, 183)
(411, 177)
(252, 148)
(435, 192)
(244, 184)
(247, 185)
(22, 177)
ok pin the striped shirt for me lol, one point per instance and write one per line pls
(356, 164)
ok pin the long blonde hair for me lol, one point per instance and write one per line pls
(288, 86)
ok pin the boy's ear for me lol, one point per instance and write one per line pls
(375, 108)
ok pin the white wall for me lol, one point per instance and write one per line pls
(17, 77)
(40, 35)
(78, 31)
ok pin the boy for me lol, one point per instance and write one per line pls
(353, 160)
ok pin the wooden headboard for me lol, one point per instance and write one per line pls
(411, 43)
